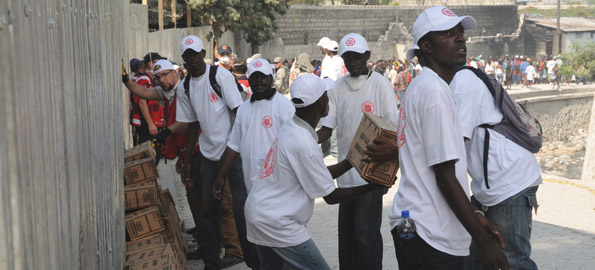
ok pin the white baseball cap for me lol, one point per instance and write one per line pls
(323, 42)
(162, 65)
(332, 46)
(191, 42)
(436, 19)
(259, 65)
(353, 43)
(309, 88)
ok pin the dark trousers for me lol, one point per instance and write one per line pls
(194, 194)
(212, 210)
(360, 240)
(416, 254)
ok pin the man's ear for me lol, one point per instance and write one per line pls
(203, 53)
(425, 47)
(367, 55)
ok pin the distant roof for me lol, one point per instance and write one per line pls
(567, 24)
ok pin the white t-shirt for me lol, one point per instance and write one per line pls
(254, 130)
(214, 114)
(550, 66)
(281, 201)
(530, 72)
(511, 168)
(429, 134)
(348, 101)
(334, 68)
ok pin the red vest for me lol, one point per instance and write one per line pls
(175, 144)
(155, 109)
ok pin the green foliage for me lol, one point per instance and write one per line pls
(255, 19)
(580, 60)
(572, 11)
(309, 2)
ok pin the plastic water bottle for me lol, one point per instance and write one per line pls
(406, 227)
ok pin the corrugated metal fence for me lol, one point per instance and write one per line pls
(64, 117)
(61, 204)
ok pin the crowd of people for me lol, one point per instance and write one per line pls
(247, 138)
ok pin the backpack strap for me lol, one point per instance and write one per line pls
(213, 81)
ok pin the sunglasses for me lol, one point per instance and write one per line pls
(162, 75)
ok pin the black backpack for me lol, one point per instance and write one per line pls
(517, 124)
(214, 84)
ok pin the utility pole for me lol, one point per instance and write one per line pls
(557, 45)
(174, 16)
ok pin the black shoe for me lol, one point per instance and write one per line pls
(230, 260)
(195, 254)
(192, 231)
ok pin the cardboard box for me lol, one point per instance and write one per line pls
(154, 258)
(141, 151)
(166, 197)
(144, 244)
(172, 232)
(140, 171)
(371, 127)
(141, 195)
(144, 222)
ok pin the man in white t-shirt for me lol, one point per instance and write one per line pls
(509, 193)
(362, 90)
(530, 74)
(322, 44)
(281, 200)
(550, 66)
(434, 185)
(213, 112)
(255, 126)
(335, 67)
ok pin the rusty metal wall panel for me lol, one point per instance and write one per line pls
(61, 154)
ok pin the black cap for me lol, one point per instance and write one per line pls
(224, 49)
(152, 56)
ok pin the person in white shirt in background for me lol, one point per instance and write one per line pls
(256, 125)
(281, 200)
(363, 90)
(530, 75)
(322, 44)
(431, 151)
(335, 67)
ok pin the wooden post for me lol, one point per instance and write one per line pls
(160, 8)
(174, 16)
(188, 16)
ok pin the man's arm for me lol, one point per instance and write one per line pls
(491, 256)
(178, 127)
(340, 195)
(144, 109)
(192, 136)
(227, 160)
(324, 133)
(142, 91)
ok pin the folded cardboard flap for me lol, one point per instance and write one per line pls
(141, 151)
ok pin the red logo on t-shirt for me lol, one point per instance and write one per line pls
(257, 64)
(350, 42)
(402, 123)
(213, 97)
(267, 121)
(448, 12)
(268, 167)
(368, 106)
(189, 41)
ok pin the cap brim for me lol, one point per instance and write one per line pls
(466, 21)
(411, 52)
(357, 50)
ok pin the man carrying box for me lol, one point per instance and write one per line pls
(281, 200)
(360, 241)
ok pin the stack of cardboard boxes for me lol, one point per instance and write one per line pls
(152, 224)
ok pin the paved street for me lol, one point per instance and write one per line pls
(563, 235)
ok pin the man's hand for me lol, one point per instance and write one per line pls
(381, 150)
(185, 172)
(125, 77)
(492, 257)
(218, 188)
(491, 230)
(152, 128)
(160, 138)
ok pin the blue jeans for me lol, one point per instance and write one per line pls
(516, 79)
(513, 219)
(303, 256)
(360, 240)
(416, 254)
(211, 214)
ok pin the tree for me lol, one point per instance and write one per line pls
(579, 60)
(254, 18)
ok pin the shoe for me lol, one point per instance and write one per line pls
(230, 260)
(195, 254)
(192, 231)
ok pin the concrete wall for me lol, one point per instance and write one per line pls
(560, 116)
(589, 163)
(61, 153)
(386, 28)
